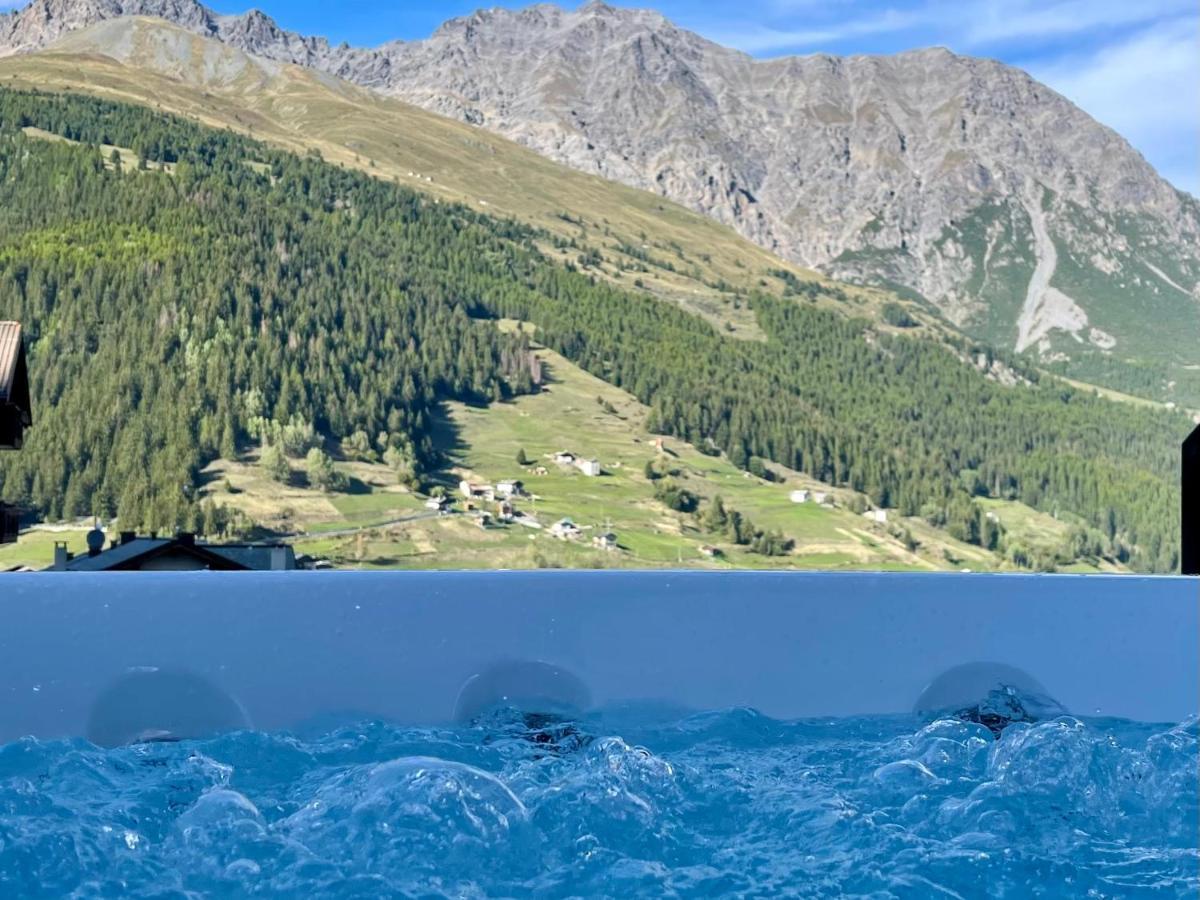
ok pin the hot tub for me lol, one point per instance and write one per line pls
(560, 733)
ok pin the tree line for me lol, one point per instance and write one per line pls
(172, 313)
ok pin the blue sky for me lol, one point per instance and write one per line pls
(1133, 64)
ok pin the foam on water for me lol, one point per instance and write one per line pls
(722, 803)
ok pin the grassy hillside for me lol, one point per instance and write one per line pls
(633, 238)
(375, 523)
(219, 295)
(629, 236)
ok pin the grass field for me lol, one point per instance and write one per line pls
(377, 524)
(592, 419)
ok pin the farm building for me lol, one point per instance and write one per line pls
(565, 530)
(800, 496)
(510, 487)
(565, 458)
(589, 467)
(473, 491)
(606, 541)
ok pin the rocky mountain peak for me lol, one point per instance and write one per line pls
(961, 182)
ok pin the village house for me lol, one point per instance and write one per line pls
(820, 497)
(589, 467)
(710, 551)
(505, 511)
(438, 504)
(182, 553)
(565, 530)
(800, 496)
(473, 491)
(606, 541)
(510, 487)
(565, 458)
(878, 516)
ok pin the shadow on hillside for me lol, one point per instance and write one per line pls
(356, 486)
(450, 446)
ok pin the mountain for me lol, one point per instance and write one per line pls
(617, 232)
(190, 293)
(961, 182)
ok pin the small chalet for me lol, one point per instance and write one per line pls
(879, 516)
(565, 530)
(473, 491)
(820, 497)
(606, 542)
(182, 553)
(510, 487)
(438, 504)
(710, 551)
(800, 496)
(565, 458)
(505, 512)
(589, 467)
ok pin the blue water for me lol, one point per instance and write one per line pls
(719, 804)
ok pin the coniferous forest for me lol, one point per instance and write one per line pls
(174, 306)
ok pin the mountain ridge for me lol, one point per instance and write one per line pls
(962, 182)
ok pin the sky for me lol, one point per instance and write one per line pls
(1132, 64)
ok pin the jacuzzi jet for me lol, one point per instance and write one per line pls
(155, 736)
(155, 706)
(1002, 708)
(535, 701)
(557, 735)
(993, 695)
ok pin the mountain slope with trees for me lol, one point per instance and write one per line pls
(960, 181)
(178, 304)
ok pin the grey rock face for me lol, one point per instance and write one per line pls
(961, 180)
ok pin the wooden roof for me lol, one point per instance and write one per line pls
(15, 413)
(10, 353)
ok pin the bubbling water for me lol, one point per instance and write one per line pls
(721, 803)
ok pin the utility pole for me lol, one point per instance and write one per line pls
(1191, 504)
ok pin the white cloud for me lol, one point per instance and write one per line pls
(998, 21)
(761, 39)
(1147, 88)
(781, 25)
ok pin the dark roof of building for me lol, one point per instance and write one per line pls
(11, 353)
(15, 415)
(132, 553)
(1193, 440)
